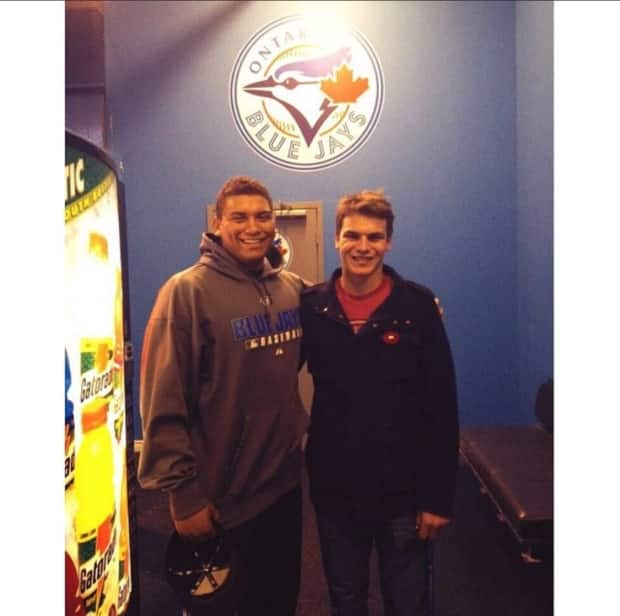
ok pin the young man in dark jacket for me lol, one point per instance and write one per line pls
(383, 442)
(221, 413)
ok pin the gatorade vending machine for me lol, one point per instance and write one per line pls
(100, 478)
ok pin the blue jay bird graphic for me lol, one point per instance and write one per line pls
(288, 85)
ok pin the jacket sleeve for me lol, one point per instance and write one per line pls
(169, 354)
(441, 435)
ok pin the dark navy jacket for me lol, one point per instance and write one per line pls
(383, 438)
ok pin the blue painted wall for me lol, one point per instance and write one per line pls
(534, 44)
(445, 151)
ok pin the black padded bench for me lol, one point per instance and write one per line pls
(514, 467)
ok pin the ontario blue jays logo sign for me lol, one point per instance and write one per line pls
(306, 96)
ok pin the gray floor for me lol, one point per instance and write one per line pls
(478, 571)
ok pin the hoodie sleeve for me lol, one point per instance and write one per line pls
(170, 353)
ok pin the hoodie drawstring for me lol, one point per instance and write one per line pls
(264, 297)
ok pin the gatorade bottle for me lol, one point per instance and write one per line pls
(96, 327)
(73, 604)
(94, 519)
(69, 428)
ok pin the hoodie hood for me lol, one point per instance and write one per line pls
(215, 256)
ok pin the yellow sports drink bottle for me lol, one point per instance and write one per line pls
(94, 519)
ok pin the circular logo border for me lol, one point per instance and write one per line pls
(380, 97)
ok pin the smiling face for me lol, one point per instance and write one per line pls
(362, 244)
(247, 228)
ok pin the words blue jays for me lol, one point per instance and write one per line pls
(259, 330)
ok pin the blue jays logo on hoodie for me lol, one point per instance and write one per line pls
(306, 95)
(258, 330)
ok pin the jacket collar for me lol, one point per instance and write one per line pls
(326, 300)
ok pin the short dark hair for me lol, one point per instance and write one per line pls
(372, 203)
(240, 185)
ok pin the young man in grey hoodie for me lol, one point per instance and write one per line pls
(221, 413)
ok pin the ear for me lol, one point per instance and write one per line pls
(215, 223)
(336, 243)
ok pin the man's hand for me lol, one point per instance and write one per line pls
(200, 525)
(429, 524)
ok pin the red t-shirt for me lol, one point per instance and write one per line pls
(358, 308)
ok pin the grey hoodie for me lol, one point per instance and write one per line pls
(221, 413)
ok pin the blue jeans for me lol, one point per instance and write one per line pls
(346, 543)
